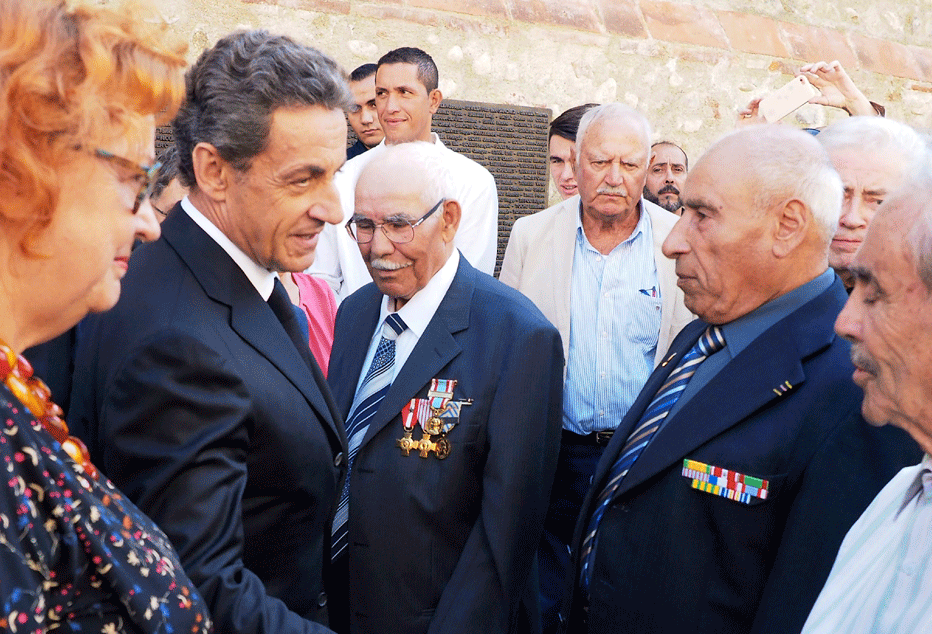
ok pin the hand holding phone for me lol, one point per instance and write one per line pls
(782, 102)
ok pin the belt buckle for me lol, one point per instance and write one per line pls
(602, 438)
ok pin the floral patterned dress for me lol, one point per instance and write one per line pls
(75, 554)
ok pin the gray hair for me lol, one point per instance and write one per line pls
(611, 112)
(234, 88)
(874, 136)
(788, 163)
(426, 158)
(915, 195)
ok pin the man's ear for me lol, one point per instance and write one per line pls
(573, 158)
(211, 172)
(452, 212)
(434, 99)
(791, 227)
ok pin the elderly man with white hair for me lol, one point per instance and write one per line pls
(872, 156)
(593, 265)
(732, 476)
(882, 578)
(451, 385)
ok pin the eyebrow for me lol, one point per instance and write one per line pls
(863, 275)
(700, 203)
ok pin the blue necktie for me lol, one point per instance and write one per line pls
(365, 404)
(710, 342)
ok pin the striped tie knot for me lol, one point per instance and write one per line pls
(711, 341)
(396, 326)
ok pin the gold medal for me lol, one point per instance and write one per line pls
(442, 448)
(407, 443)
(425, 446)
(433, 425)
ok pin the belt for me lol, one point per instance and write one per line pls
(598, 438)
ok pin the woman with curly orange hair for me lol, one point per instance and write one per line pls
(80, 92)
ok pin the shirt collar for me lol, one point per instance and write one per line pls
(261, 278)
(640, 228)
(743, 330)
(921, 484)
(419, 310)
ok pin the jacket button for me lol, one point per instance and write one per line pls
(321, 599)
(338, 459)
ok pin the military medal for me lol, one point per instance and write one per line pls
(437, 415)
(442, 448)
(409, 417)
(724, 483)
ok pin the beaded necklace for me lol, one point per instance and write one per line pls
(16, 373)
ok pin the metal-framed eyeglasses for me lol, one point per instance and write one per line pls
(400, 231)
(146, 175)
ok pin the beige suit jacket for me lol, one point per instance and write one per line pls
(539, 263)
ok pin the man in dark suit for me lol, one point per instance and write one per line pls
(197, 393)
(453, 442)
(742, 462)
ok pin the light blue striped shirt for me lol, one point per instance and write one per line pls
(881, 582)
(614, 326)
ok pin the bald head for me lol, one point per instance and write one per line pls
(761, 206)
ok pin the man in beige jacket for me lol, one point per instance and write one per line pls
(593, 266)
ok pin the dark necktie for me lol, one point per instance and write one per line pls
(291, 318)
(650, 422)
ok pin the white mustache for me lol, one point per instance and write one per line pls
(864, 361)
(387, 265)
(613, 191)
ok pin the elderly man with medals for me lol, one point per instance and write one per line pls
(451, 386)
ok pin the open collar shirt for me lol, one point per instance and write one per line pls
(881, 582)
(615, 324)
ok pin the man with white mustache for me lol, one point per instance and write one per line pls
(593, 265)
(450, 469)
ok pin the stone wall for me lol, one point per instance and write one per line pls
(689, 65)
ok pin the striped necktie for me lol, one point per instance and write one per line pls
(709, 343)
(365, 404)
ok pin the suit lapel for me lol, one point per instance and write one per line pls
(250, 317)
(755, 374)
(562, 247)
(666, 276)
(434, 350)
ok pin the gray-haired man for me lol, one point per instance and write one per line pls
(197, 393)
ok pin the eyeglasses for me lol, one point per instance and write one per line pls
(146, 174)
(398, 231)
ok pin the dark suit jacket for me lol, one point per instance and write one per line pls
(674, 559)
(196, 403)
(448, 545)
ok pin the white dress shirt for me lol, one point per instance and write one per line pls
(881, 582)
(260, 277)
(416, 313)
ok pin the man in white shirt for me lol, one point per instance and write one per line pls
(406, 98)
(882, 578)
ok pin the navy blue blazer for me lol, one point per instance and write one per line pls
(448, 545)
(196, 403)
(671, 558)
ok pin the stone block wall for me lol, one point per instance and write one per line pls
(689, 65)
